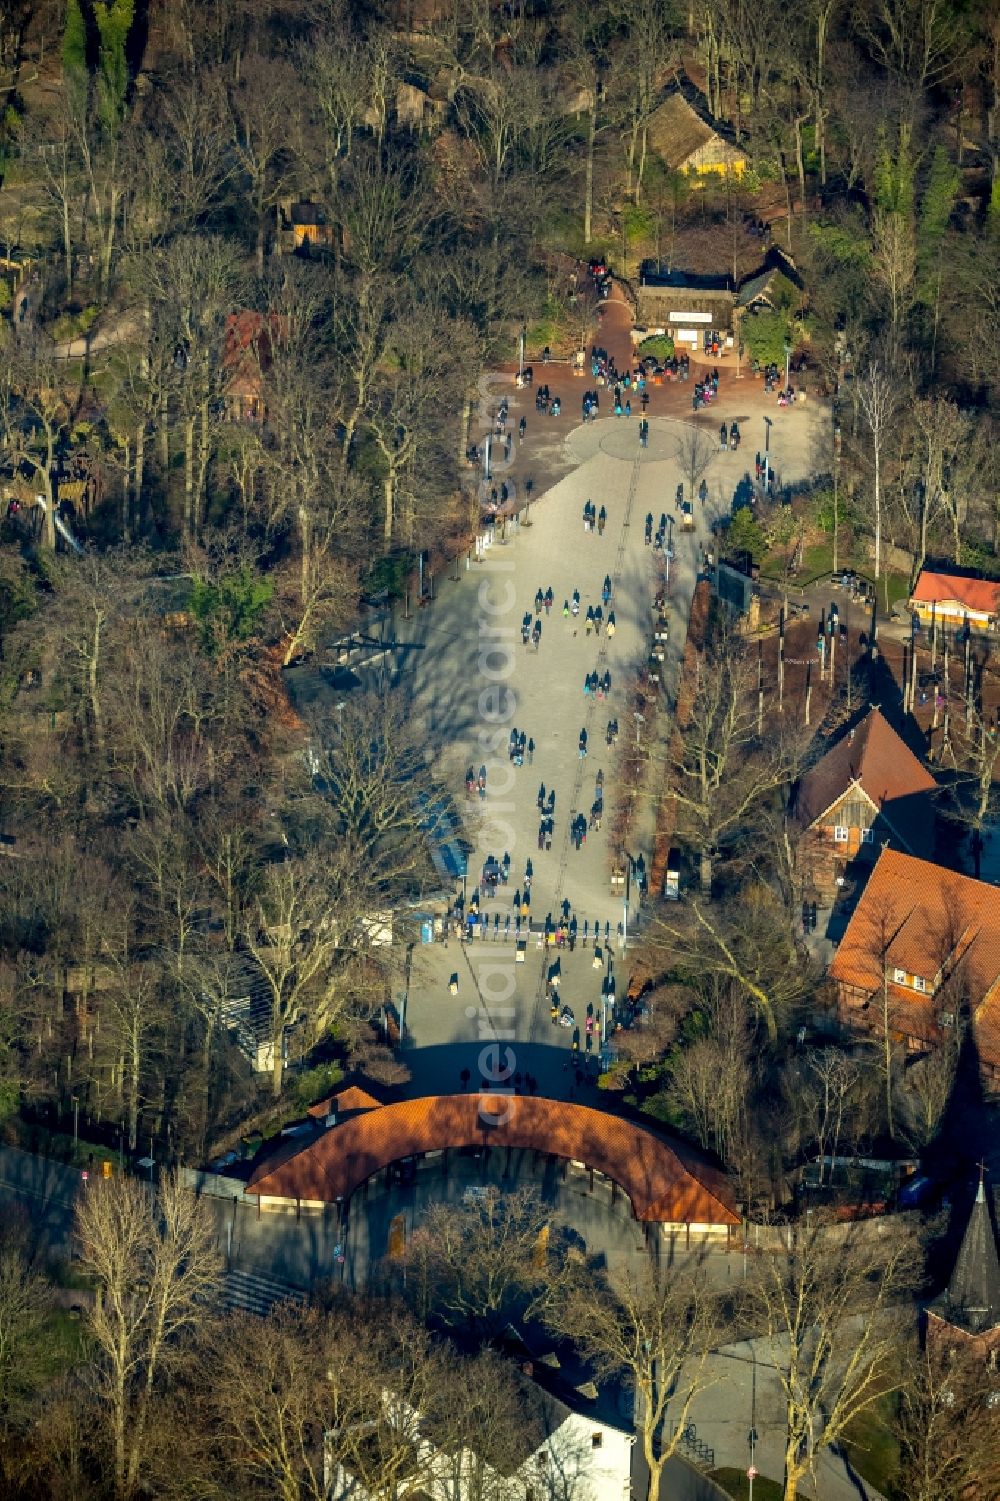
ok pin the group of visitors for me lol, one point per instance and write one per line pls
(705, 391)
(661, 531)
(520, 746)
(600, 687)
(475, 782)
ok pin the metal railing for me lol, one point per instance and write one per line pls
(694, 1448)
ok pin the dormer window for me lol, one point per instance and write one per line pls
(919, 984)
(867, 836)
(899, 976)
(840, 834)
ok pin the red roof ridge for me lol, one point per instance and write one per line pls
(872, 757)
(938, 921)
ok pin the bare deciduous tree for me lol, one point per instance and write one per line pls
(947, 1425)
(829, 1310)
(876, 393)
(657, 1333)
(695, 452)
(152, 1260)
(483, 1263)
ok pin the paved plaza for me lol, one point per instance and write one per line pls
(472, 681)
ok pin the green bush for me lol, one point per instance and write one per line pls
(231, 608)
(315, 1084)
(822, 510)
(745, 533)
(980, 556)
(764, 335)
(389, 574)
(74, 325)
(660, 346)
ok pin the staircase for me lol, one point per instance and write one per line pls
(248, 1292)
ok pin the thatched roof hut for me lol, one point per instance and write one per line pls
(687, 142)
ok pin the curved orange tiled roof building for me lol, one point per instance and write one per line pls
(664, 1184)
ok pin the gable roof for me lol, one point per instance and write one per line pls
(677, 132)
(248, 341)
(757, 286)
(971, 1301)
(353, 1097)
(873, 757)
(982, 595)
(922, 918)
(665, 1184)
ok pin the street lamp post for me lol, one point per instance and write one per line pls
(788, 363)
(767, 453)
(520, 360)
(406, 992)
(752, 1469)
(628, 892)
(836, 497)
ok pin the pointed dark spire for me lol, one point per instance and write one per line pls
(971, 1300)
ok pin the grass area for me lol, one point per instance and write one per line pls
(735, 1483)
(872, 1447)
(818, 560)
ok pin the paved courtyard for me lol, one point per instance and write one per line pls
(472, 681)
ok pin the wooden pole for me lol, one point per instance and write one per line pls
(760, 688)
(781, 659)
(906, 677)
(834, 632)
(808, 689)
(821, 643)
(913, 666)
(934, 637)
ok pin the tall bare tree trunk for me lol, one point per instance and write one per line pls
(188, 474)
(389, 495)
(163, 435)
(588, 188)
(140, 465)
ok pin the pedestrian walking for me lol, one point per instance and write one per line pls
(531, 751)
(583, 743)
(541, 796)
